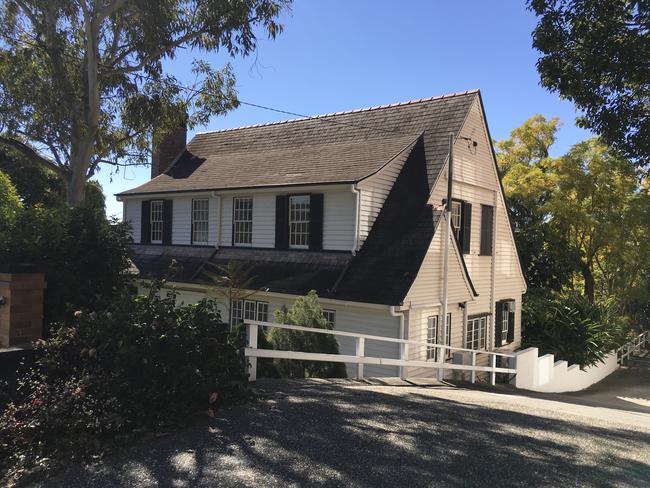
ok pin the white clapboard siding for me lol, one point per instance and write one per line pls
(338, 221)
(213, 218)
(264, 220)
(226, 221)
(182, 221)
(133, 215)
(427, 286)
(349, 318)
(373, 193)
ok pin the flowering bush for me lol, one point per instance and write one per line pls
(142, 364)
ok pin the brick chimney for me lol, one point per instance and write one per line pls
(166, 150)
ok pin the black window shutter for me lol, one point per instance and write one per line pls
(168, 208)
(282, 222)
(316, 222)
(498, 316)
(466, 224)
(145, 222)
(487, 227)
(511, 322)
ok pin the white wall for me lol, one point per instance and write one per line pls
(374, 190)
(133, 215)
(544, 374)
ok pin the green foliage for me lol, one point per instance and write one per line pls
(90, 87)
(595, 53)
(83, 254)
(10, 204)
(142, 364)
(307, 312)
(572, 328)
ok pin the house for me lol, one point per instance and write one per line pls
(349, 204)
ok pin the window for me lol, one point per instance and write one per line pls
(242, 219)
(299, 221)
(456, 218)
(241, 310)
(156, 221)
(506, 317)
(200, 221)
(330, 316)
(475, 333)
(432, 336)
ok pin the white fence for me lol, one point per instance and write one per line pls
(544, 374)
(360, 359)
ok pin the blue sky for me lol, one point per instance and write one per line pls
(340, 55)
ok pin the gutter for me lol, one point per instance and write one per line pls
(357, 216)
(394, 313)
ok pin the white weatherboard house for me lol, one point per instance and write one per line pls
(348, 204)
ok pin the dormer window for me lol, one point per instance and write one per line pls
(242, 221)
(299, 219)
(156, 221)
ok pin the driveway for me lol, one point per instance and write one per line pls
(352, 434)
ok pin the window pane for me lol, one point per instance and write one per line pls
(330, 315)
(242, 221)
(156, 221)
(456, 210)
(236, 312)
(299, 218)
(262, 311)
(432, 335)
(200, 221)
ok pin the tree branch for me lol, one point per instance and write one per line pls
(33, 155)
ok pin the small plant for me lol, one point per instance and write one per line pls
(307, 312)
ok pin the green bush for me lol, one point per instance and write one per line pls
(141, 365)
(572, 328)
(307, 312)
(85, 256)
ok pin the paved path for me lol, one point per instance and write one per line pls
(350, 434)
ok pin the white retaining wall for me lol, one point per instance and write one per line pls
(543, 374)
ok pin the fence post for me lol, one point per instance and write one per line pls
(473, 364)
(493, 374)
(361, 353)
(252, 343)
(404, 356)
(440, 358)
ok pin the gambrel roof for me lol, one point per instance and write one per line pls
(336, 148)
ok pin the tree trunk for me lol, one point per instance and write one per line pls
(590, 283)
(76, 186)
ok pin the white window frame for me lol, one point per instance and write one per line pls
(299, 221)
(330, 316)
(476, 333)
(241, 310)
(242, 221)
(432, 336)
(156, 220)
(200, 220)
(507, 307)
(456, 217)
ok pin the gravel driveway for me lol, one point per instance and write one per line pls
(349, 434)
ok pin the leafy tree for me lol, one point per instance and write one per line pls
(595, 53)
(307, 312)
(597, 203)
(547, 257)
(82, 82)
(9, 201)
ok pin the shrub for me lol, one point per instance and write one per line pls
(307, 312)
(572, 328)
(83, 254)
(142, 364)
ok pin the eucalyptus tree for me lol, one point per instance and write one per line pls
(84, 82)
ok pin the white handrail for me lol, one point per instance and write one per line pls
(372, 337)
(360, 359)
(633, 346)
